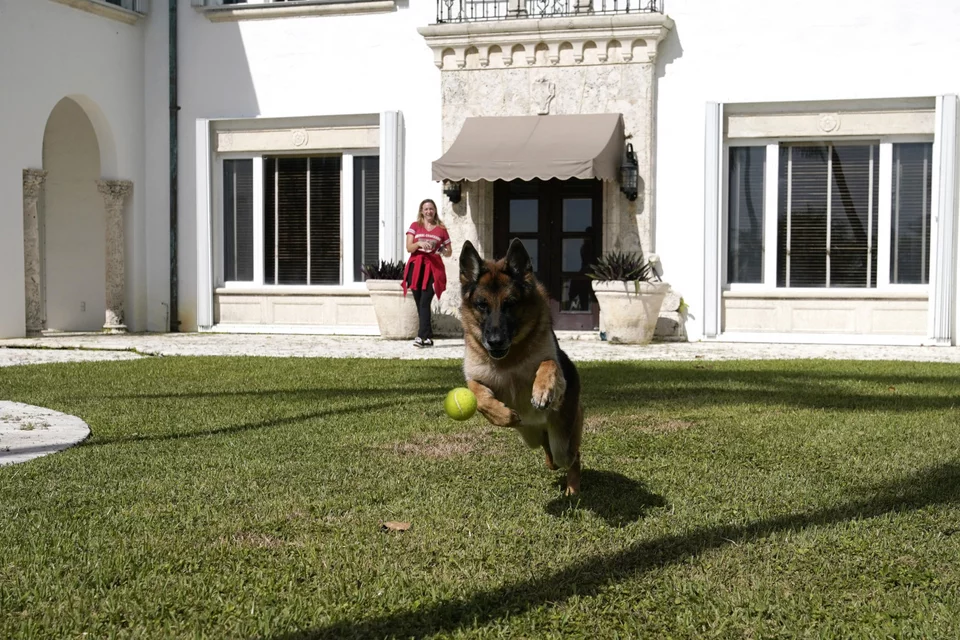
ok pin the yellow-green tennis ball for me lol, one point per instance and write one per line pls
(460, 404)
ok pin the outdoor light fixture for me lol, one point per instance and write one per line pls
(452, 191)
(630, 175)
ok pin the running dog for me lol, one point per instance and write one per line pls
(512, 361)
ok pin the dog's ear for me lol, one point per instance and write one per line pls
(470, 265)
(518, 260)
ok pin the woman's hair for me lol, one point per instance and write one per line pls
(420, 213)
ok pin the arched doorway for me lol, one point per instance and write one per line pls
(72, 223)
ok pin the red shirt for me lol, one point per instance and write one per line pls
(426, 263)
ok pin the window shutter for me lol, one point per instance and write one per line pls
(910, 213)
(324, 220)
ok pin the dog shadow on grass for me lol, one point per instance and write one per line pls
(617, 499)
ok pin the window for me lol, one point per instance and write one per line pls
(238, 220)
(745, 231)
(284, 217)
(366, 212)
(910, 214)
(827, 214)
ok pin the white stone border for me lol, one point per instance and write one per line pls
(28, 432)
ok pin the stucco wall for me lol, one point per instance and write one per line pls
(756, 50)
(51, 51)
(307, 66)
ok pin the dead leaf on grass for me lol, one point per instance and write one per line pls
(395, 526)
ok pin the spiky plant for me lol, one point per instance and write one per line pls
(386, 270)
(625, 266)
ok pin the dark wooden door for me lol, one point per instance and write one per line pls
(560, 224)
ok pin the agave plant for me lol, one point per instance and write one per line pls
(625, 266)
(386, 270)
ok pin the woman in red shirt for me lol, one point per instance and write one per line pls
(427, 240)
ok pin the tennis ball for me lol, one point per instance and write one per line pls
(460, 404)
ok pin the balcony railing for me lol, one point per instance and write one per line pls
(486, 10)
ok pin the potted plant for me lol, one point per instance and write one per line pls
(630, 295)
(396, 313)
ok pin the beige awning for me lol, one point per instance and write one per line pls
(528, 147)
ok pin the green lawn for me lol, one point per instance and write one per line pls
(243, 497)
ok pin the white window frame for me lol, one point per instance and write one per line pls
(771, 216)
(346, 223)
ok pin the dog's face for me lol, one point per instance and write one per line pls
(499, 299)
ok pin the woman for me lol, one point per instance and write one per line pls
(427, 240)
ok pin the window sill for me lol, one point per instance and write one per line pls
(105, 9)
(233, 13)
(908, 292)
(242, 289)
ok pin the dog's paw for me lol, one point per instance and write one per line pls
(546, 398)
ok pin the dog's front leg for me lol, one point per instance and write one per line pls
(549, 385)
(497, 413)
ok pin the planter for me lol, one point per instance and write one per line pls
(629, 310)
(396, 314)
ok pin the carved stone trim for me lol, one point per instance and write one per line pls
(631, 32)
(33, 180)
(114, 194)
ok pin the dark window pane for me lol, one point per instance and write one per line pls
(366, 212)
(853, 216)
(325, 220)
(238, 220)
(910, 213)
(745, 214)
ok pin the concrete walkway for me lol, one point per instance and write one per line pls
(27, 432)
(95, 346)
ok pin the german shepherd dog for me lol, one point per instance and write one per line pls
(512, 361)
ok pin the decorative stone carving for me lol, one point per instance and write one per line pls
(300, 137)
(565, 40)
(33, 180)
(544, 90)
(114, 194)
(829, 122)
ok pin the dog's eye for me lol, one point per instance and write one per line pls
(481, 306)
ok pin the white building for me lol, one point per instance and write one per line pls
(797, 166)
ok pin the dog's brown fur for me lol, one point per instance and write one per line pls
(512, 362)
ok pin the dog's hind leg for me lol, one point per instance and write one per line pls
(549, 456)
(573, 473)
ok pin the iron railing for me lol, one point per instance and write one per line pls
(488, 10)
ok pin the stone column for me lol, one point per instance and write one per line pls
(114, 194)
(32, 188)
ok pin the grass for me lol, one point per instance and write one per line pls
(244, 497)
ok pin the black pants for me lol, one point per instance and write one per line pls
(423, 297)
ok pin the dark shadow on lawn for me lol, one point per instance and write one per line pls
(616, 385)
(617, 499)
(248, 426)
(936, 486)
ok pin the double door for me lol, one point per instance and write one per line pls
(559, 222)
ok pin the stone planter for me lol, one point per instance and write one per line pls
(396, 313)
(629, 310)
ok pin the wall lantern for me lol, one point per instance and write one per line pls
(452, 190)
(630, 175)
